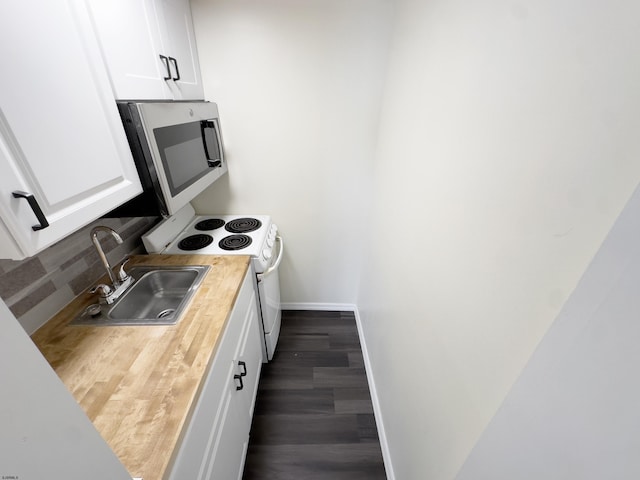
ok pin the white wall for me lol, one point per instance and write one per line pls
(573, 414)
(298, 85)
(509, 146)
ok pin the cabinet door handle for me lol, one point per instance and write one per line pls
(166, 65)
(244, 368)
(239, 377)
(33, 203)
(175, 64)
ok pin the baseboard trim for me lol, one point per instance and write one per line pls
(382, 434)
(341, 307)
(348, 307)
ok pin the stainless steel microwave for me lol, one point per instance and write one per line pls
(178, 151)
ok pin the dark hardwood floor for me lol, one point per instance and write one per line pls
(313, 418)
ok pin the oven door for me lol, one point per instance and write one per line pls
(269, 294)
(186, 148)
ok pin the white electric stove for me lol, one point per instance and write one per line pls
(253, 235)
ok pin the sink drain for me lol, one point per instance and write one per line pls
(166, 313)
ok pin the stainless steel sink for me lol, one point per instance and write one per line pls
(158, 296)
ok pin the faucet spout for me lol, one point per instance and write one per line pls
(103, 257)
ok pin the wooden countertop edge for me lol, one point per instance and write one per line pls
(104, 367)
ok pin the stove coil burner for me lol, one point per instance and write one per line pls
(243, 225)
(209, 224)
(235, 242)
(195, 242)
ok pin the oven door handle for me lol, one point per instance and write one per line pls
(276, 264)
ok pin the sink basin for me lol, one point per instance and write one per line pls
(158, 296)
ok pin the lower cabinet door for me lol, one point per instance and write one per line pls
(215, 442)
(229, 449)
(249, 359)
(229, 437)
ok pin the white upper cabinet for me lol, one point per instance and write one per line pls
(61, 138)
(149, 47)
(182, 46)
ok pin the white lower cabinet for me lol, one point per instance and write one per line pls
(215, 443)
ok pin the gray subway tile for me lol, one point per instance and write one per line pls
(21, 277)
(88, 255)
(31, 300)
(37, 287)
(87, 278)
(43, 311)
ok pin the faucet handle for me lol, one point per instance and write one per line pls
(122, 275)
(105, 290)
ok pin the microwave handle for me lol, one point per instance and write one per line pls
(209, 124)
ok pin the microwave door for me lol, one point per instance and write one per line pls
(211, 142)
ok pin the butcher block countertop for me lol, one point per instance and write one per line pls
(138, 384)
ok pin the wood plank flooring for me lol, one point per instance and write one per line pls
(313, 418)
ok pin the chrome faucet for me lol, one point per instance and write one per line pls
(109, 293)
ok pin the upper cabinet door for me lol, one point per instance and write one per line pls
(130, 39)
(61, 138)
(181, 42)
(149, 47)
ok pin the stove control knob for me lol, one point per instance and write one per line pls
(266, 254)
(270, 242)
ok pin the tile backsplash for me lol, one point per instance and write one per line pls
(37, 287)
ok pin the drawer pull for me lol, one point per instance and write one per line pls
(239, 377)
(244, 368)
